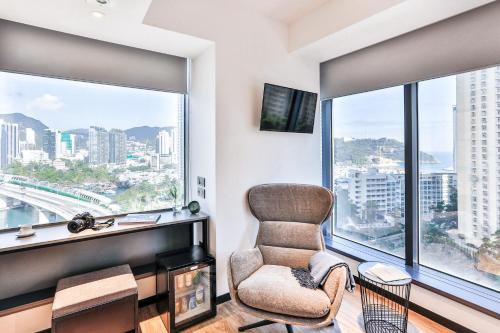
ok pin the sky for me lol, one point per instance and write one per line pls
(64, 104)
(380, 113)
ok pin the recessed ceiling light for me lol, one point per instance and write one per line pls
(98, 2)
(97, 14)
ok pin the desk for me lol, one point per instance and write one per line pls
(52, 234)
(36, 263)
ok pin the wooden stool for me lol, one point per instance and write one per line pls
(100, 301)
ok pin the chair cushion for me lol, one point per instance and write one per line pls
(80, 292)
(273, 288)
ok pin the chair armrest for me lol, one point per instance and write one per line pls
(334, 285)
(243, 263)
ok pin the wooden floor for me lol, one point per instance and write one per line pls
(229, 318)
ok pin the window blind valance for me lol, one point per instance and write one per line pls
(461, 43)
(32, 50)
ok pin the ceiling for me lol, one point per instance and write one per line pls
(331, 24)
(122, 23)
(284, 10)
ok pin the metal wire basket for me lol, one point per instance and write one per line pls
(385, 304)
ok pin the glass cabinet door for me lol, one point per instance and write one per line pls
(192, 294)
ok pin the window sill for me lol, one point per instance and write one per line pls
(57, 233)
(479, 298)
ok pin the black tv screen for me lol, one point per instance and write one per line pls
(287, 110)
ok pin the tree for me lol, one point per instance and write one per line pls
(452, 206)
(432, 234)
(371, 209)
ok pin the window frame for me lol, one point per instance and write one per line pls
(453, 287)
(184, 142)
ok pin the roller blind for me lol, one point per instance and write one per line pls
(32, 50)
(462, 43)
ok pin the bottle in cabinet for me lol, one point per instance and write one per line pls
(184, 304)
(188, 279)
(179, 281)
(200, 294)
(178, 305)
(192, 301)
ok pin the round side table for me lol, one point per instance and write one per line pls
(385, 304)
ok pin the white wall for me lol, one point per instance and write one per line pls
(250, 50)
(202, 134)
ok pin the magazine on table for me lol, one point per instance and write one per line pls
(387, 273)
(131, 219)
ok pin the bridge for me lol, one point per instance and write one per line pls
(62, 205)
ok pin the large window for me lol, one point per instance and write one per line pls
(368, 156)
(459, 191)
(449, 218)
(68, 147)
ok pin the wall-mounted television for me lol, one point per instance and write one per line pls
(287, 110)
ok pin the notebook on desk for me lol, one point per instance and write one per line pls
(132, 219)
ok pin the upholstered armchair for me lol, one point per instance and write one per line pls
(260, 279)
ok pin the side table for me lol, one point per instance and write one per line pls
(385, 304)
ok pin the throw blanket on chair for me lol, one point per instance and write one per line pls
(320, 266)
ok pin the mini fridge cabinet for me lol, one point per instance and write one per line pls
(185, 287)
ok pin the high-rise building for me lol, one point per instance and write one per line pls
(51, 143)
(164, 143)
(68, 144)
(30, 137)
(9, 143)
(117, 146)
(434, 189)
(376, 191)
(98, 145)
(478, 153)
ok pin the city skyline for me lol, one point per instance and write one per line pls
(58, 103)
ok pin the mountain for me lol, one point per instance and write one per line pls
(362, 151)
(26, 122)
(79, 131)
(145, 133)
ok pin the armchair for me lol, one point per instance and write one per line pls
(260, 279)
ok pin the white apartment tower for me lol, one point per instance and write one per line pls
(381, 191)
(478, 153)
(9, 143)
(164, 143)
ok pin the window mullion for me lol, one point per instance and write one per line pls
(411, 173)
(327, 154)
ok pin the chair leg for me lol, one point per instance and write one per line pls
(255, 325)
(289, 328)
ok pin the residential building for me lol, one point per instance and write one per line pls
(98, 145)
(68, 144)
(164, 143)
(478, 153)
(9, 143)
(117, 146)
(51, 143)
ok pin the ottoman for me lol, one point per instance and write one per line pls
(100, 301)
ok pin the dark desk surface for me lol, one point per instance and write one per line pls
(57, 233)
